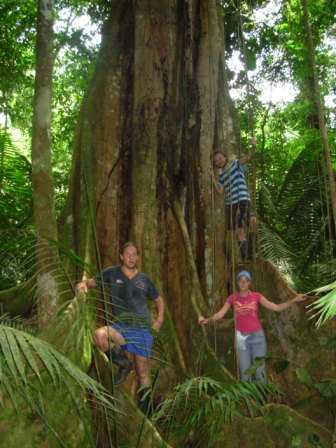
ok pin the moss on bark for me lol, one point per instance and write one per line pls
(18, 300)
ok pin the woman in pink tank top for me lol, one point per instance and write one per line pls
(250, 338)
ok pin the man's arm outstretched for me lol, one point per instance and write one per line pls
(250, 152)
(86, 284)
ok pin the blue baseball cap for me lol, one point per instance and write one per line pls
(245, 274)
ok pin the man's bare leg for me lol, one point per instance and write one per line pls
(109, 340)
(144, 394)
(107, 337)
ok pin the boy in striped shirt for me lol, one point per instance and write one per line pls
(231, 181)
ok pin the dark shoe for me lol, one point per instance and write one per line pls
(91, 371)
(144, 400)
(122, 374)
(119, 358)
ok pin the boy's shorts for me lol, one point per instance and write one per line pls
(139, 341)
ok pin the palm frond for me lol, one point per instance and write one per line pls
(17, 322)
(15, 185)
(275, 249)
(302, 202)
(17, 256)
(18, 261)
(301, 176)
(205, 402)
(324, 271)
(267, 199)
(325, 306)
(25, 357)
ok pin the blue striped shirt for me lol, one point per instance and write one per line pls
(233, 180)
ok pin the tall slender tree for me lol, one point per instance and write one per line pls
(43, 192)
(320, 112)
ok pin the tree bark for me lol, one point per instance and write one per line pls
(42, 182)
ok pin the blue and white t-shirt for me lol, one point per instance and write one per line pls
(233, 180)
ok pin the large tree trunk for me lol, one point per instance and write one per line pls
(158, 99)
(43, 193)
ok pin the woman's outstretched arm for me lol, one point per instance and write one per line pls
(281, 306)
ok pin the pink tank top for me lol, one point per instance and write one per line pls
(246, 310)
